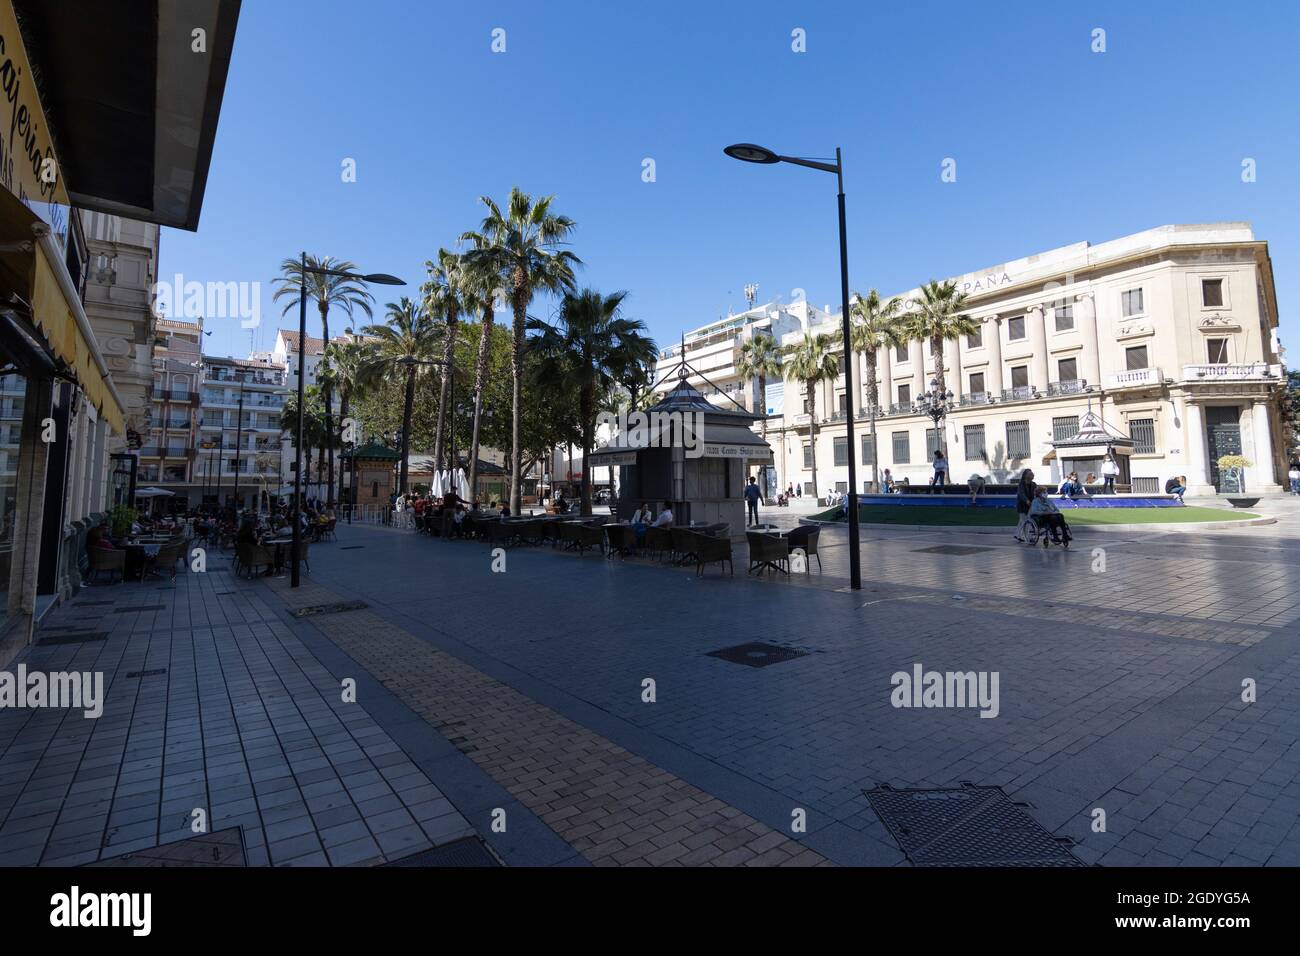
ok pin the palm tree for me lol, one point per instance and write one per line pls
(482, 287)
(760, 359)
(812, 361)
(878, 328)
(597, 349)
(313, 424)
(397, 354)
(939, 318)
(523, 241)
(327, 291)
(444, 296)
(343, 361)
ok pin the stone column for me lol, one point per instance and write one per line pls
(1263, 476)
(920, 380)
(1037, 332)
(1194, 447)
(952, 366)
(885, 359)
(993, 342)
(1086, 318)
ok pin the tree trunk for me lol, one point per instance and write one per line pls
(406, 430)
(445, 394)
(812, 431)
(936, 346)
(480, 382)
(329, 396)
(586, 408)
(344, 401)
(873, 408)
(520, 302)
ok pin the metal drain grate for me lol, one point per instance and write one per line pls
(952, 549)
(352, 547)
(467, 852)
(330, 608)
(757, 654)
(966, 826)
(140, 607)
(69, 637)
(152, 672)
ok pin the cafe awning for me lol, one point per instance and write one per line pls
(33, 269)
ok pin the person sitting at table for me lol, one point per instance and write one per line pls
(665, 519)
(641, 519)
(505, 510)
(247, 532)
(561, 506)
(98, 538)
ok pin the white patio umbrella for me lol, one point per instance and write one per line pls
(462, 485)
(435, 488)
(152, 492)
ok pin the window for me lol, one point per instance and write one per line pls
(976, 339)
(1211, 292)
(902, 448)
(900, 352)
(1064, 311)
(1146, 486)
(1015, 328)
(1020, 376)
(807, 456)
(1143, 433)
(1130, 302)
(1065, 427)
(1067, 370)
(843, 401)
(976, 383)
(1217, 350)
(932, 440)
(841, 446)
(905, 394)
(974, 441)
(868, 450)
(1135, 357)
(842, 487)
(1018, 439)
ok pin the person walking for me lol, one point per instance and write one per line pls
(940, 472)
(1026, 489)
(1109, 472)
(752, 497)
(1294, 476)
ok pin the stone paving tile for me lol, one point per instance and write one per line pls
(239, 726)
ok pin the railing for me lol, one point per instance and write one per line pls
(1135, 377)
(835, 416)
(1072, 387)
(901, 408)
(1238, 372)
(803, 419)
(1018, 393)
(975, 398)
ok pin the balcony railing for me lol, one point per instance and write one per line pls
(1136, 377)
(1072, 387)
(975, 398)
(1018, 393)
(1231, 373)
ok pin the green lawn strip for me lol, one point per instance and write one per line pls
(1006, 517)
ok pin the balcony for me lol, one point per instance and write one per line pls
(1254, 371)
(1074, 387)
(1019, 393)
(1136, 378)
(975, 398)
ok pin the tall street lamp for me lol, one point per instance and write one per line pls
(377, 278)
(749, 153)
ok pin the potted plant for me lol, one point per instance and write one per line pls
(1232, 474)
(121, 519)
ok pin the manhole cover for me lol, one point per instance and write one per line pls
(330, 608)
(966, 826)
(952, 549)
(757, 654)
(70, 638)
(140, 607)
(152, 672)
(222, 848)
(467, 852)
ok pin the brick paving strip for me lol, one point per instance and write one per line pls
(610, 805)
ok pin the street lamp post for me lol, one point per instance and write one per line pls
(937, 404)
(378, 278)
(749, 153)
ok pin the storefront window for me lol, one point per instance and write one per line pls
(13, 390)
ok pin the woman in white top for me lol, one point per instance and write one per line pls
(1109, 472)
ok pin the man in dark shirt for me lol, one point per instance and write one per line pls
(752, 497)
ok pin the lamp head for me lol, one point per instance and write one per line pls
(751, 153)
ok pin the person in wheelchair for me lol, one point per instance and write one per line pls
(1048, 517)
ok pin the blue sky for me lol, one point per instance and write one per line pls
(1054, 143)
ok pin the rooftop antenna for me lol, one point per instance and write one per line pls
(751, 293)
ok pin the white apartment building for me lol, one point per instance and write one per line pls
(1170, 335)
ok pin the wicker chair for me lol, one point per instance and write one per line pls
(767, 551)
(709, 549)
(104, 561)
(499, 532)
(805, 537)
(567, 534)
(167, 557)
(252, 556)
(683, 544)
(658, 540)
(621, 539)
(586, 537)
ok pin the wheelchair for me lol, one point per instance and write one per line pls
(1031, 533)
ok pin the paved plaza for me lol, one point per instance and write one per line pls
(514, 705)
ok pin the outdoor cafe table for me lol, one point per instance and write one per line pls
(772, 531)
(279, 546)
(138, 551)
